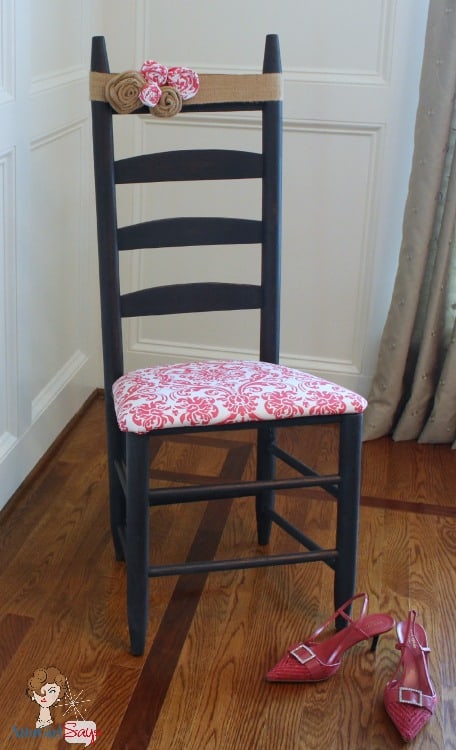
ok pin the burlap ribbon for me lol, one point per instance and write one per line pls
(121, 90)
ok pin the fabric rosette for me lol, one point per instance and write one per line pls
(150, 94)
(184, 80)
(123, 91)
(154, 72)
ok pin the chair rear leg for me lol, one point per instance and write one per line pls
(348, 511)
(265, 470)
(137, 540)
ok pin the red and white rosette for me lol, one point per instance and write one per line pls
(150, 94)
(184, 80)
(154, 72)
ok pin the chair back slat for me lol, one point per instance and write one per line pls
(191, 298)
(192, 164)
(189, 232)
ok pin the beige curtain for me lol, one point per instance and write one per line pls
(413, 395)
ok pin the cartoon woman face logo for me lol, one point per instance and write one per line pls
(47, 686)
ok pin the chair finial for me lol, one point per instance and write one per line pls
(99, 59)
(272, 62)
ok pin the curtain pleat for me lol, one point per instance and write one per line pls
(413, 394)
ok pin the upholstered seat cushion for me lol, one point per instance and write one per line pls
(221, 392)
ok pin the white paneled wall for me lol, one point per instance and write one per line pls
(351, 82)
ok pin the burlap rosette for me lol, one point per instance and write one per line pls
(170, 103)
(122, 91)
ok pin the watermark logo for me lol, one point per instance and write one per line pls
(56, 705)
(80, 731)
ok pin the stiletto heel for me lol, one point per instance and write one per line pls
(409, 698)
(313, 661)
(375, 640)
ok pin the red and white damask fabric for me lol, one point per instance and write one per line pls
(222, 392)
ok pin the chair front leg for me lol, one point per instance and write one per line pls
(137, 540)
(348, 510)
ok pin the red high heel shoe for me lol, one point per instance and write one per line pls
(409, 698)
(313, 661)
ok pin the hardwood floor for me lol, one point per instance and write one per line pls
(211, 639)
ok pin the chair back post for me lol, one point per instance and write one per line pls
(108, 256)
(272, 197)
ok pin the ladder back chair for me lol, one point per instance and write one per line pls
(259, 395)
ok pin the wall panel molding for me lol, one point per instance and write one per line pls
(56, 133)
(7, 49)
(378, 76)
(67, 351)
(366, 63)
(58, 79)
(370, 139)
(63, 64)
(160, 352)
(362, 281)
(174, 351)
(199, 119)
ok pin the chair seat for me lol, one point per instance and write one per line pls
(222, 392)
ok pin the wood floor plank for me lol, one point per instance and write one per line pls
(13, 629)
(211, 639)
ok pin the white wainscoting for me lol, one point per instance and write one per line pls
(49, 344)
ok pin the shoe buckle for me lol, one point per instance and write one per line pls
(306, 649)
(411, 700)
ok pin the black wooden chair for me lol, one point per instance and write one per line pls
(260, 395)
